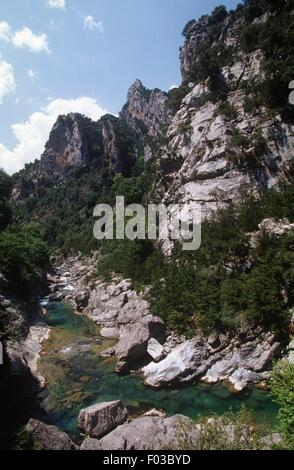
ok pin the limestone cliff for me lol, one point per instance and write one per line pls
(148, 115)
(224, 140)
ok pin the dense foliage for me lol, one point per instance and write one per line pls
(23, 253)
(5, 190)
(224, 284)
(23, 256)
(233, 431)
(282, 389)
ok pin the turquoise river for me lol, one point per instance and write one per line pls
(76, 377)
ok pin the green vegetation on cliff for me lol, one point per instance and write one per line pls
(282, 389)
(264, 25)
(225, 283)
(23, 253)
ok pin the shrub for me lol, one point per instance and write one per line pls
(232, 431)
(228, 110)
(23, 440)
(186, 29)
(176, 95)
(282, 390)
(184, 128)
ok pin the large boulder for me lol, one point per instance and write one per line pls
(151, 433)
(82, 299)
(45, 437)
(101, 418)
(131, 350)
(186, 362)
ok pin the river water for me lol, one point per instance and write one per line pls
(76, 377)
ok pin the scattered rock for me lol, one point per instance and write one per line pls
(45, 437)
(155, 350)
(268, 442)
(90, 444)
(157, 413)
(275, 228)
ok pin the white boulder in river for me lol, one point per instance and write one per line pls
(101, 418)
(184, 363)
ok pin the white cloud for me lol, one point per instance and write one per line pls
(91, 24)
(34, 42)
(7, 81)
(173, 87)
(33, 133)
(5, 31)
(56, 4)
(31, 74)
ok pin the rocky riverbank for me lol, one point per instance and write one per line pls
(107, 426)
(20, 380)
(143, 343)
(25, 348)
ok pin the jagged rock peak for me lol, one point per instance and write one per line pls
(66, 145)
(146, 113)
(135, 88)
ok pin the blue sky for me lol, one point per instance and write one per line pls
(58, 56)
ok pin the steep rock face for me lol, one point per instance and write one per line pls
(146, 113)
(118, 143)
(197, 35)
(213, 154)
(68, 148)
(75, 144)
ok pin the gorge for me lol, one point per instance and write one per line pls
(90, 327)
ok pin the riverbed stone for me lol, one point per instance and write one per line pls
(101, 418)
(131, 350)
(90, 444)
(146, 433)
(47, 437)
(82, 299)
(184, 363)
(155, 349)
(291, 357)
